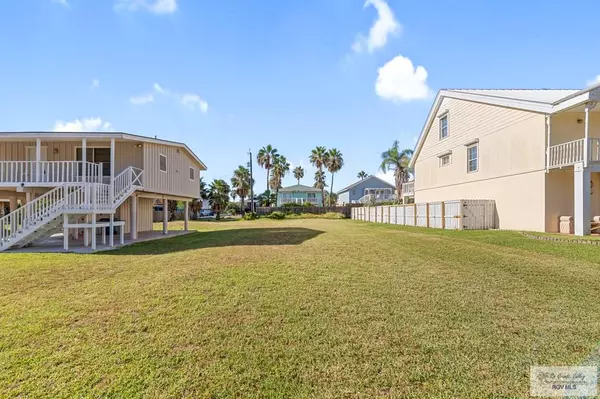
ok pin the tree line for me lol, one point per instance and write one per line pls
(277, 167)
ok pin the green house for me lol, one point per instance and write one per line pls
(299, 194)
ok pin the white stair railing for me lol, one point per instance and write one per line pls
(33, 213)
(67, 197)
(125, 181)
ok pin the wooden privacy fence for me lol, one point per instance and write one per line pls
(450, 215)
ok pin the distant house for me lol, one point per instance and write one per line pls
(299, 194)
(369, 190)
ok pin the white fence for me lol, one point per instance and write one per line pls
(449, 215)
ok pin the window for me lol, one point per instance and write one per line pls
(162, 162)
(472, 158)
(443, 127)
(191, 173)
(445, 160)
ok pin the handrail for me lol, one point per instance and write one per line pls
(35, 211)
(125, 181)
(90, 196)
(566, 154)
(49, 172)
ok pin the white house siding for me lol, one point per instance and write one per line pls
(176, 181)
(144, 214)
(511, 162)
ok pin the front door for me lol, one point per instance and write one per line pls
(30, 153)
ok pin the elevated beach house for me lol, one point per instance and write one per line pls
(536, 153)
(89, 184)
(370, 190)
(299, 194)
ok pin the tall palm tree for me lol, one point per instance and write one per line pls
(280, 168)
(334, 162)
(218, 196)
(298, 173)
(320, 183)
(265, 158)
(362, 175)
(318, 158)
(397, 160)
(240, 183)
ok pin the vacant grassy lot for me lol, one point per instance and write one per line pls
(302, 308)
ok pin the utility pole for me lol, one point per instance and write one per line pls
(251, 181)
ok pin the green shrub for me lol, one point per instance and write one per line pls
(277, 215)
(250, 216)
(328, 215)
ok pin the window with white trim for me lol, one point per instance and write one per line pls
(445, 160)
(162, 162)
(443, 127)
(192, 172)
(473, 158)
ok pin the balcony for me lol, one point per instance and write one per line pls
(572, 152)
(49, 173)
(408, 189)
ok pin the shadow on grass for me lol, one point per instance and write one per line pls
(220, 238)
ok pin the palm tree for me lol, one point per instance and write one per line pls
(280, 168)
(320, 183)
(265, 158)
(240, 183)
(335, 162)
(298, 173)
(218, 196)
(362, 175)
(318, 158)
(397, 160)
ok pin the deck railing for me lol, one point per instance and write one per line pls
(408, 188)
(572, 152)
(50, 172)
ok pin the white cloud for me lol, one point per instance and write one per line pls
(153, 6)
(191, 101)
(399, 80)
(384, 26)
(95, 84)
(83, 125)
(594, 81)
(141, 100)
(62, 2)
(159, 89)
(194, 102)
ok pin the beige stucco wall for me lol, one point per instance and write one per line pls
(176, 180)
(564, 127)
(511, 162)
(560, 196)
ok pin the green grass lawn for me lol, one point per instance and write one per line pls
(300, 308)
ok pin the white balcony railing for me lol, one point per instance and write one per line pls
(50, 172)
(572, 152)
(408, 189)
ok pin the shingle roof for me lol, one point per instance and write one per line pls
(363, 180)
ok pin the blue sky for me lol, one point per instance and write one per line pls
(225, 76)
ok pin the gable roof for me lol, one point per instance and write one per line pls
(363, 180)
(299, 188)
(545, 101)
(98, 135)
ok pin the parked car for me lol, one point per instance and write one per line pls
(206, 212)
